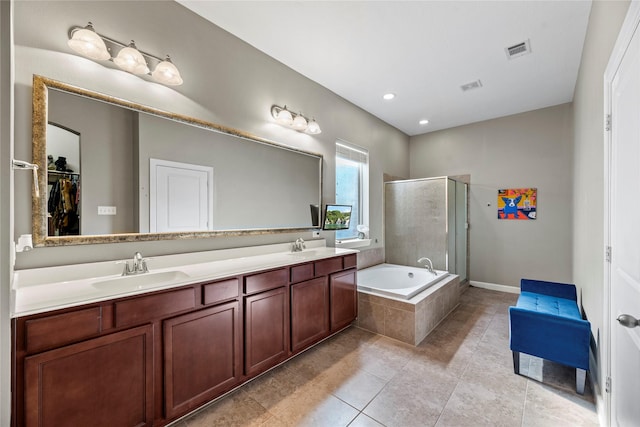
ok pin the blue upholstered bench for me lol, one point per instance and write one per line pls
(546, 323)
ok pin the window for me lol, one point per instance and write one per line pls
(352, 186)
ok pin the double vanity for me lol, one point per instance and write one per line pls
(104, 349)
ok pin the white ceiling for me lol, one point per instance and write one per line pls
(422, 51)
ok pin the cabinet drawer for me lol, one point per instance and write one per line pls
(327, 266)
(61, 329)
(144, 309)
(350, 261)
(265, 281)
(220, 291)
(300, 273)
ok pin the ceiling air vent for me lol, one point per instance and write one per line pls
(517, 50)
(473, 85)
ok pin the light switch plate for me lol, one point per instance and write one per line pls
(106, 210)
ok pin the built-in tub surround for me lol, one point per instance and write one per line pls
(45, 289)
(407, 320)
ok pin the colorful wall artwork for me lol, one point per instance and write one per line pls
(517, 203)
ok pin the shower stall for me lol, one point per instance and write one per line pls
(427, 217)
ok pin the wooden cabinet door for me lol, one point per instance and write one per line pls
(344, 299)
(266, 330)
(309, 312)
(201, 357)
(105, 381)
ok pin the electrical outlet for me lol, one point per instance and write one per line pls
(106, 210)
(315, 234)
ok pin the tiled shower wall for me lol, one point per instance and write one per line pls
(415, 221)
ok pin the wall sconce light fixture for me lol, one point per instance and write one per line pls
(295, 121)
(90, 44)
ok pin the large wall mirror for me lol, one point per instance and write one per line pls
(115, 171)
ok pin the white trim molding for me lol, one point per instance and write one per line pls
(495, 287)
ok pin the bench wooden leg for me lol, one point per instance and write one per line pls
(581, 379)
(516, 362)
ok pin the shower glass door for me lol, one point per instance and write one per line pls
(461, 230)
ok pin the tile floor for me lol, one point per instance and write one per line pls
(460, 375)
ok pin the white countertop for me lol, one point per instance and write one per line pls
(44, 289)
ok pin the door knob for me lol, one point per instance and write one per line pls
(628, 321)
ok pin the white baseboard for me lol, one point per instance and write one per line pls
(495, 287)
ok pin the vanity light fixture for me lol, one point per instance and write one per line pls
(87, 42)
(130, 59)
(298, 122)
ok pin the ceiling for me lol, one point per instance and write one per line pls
(422, 51)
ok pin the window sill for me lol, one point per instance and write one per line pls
(352, 243)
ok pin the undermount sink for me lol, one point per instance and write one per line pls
(140, 281)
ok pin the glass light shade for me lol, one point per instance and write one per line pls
(314, 127)
(167, 73)
(299, 123)
(88, 43)
(285, 117)
(131, 60)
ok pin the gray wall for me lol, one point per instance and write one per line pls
(532, 149)
(588, 186)
(226, 82)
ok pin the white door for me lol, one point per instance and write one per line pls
(181, 197)
(624, 216)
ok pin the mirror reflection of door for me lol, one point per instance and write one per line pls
(180, 197)
(63, 181)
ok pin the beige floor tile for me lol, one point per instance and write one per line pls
(312, 405)
(415, 397)
(473, 404)
(355, 387)
(237, 409)
(547, 406)
(275, 386)
(363, 421)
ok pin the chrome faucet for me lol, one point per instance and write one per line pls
(429, 265)
(298, 245)
(137, 266)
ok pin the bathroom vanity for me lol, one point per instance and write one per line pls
(146, 354)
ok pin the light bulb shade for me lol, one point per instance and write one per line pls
(299, 123)
(313, 127)
(131, 60)
(88, 43)
(284, 117)
(167, 73)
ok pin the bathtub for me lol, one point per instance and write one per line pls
(398, 281)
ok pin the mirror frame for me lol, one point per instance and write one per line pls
(41, 86)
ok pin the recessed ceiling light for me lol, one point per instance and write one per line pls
(388, 96)
(424, 122)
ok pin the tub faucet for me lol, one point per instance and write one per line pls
(137, 266)
(428, 264)
(298, 245)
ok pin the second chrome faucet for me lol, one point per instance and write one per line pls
(298, 245)
(137, 266)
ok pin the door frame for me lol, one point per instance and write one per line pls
(629, 27)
